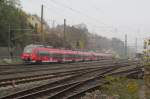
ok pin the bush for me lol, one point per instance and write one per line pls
(123, 87)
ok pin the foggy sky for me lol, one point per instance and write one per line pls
(110, 18)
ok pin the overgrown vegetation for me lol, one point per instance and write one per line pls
(122, 87)
(146, 63)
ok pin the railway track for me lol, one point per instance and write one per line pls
(75, 91)
(8, 66)
(40, 66)
(68, 80)
(35, 71)
(76, 94)
(44, 70)
(55, 67)
(57, 88)
(20, 66)
(31, 78)
(19, 80)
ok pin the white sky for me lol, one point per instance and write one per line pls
(110, 18)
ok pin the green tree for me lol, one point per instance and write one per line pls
(11, 15)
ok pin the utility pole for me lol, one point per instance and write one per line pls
(42, 33)
(53, 24)
(9, 38)
(135, 45)
(64, 32)
(125, 45)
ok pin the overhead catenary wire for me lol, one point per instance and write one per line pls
(79, 12)
(89, 23)
(95, 7)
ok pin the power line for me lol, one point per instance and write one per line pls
(94, 6)
(54, 10)
(136, 45)
(77, 11)
(108, 29)
(126, 45)
(89, 23)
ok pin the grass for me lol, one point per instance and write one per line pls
(122, 87)
(10, 61)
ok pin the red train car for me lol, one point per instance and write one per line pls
(40, 54)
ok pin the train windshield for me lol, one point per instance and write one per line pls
(29, 48)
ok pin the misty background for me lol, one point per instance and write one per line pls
(110, 18)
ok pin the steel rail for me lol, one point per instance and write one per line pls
(18, 80)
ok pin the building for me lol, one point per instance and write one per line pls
(35, 22)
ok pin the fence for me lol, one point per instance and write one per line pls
(4, 53)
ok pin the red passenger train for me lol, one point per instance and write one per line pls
(40, 54)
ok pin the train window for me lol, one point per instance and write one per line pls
(44, 53)
(55, 55)
(78, 56)
(84, 56)
(67, 56)
(73, 55)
